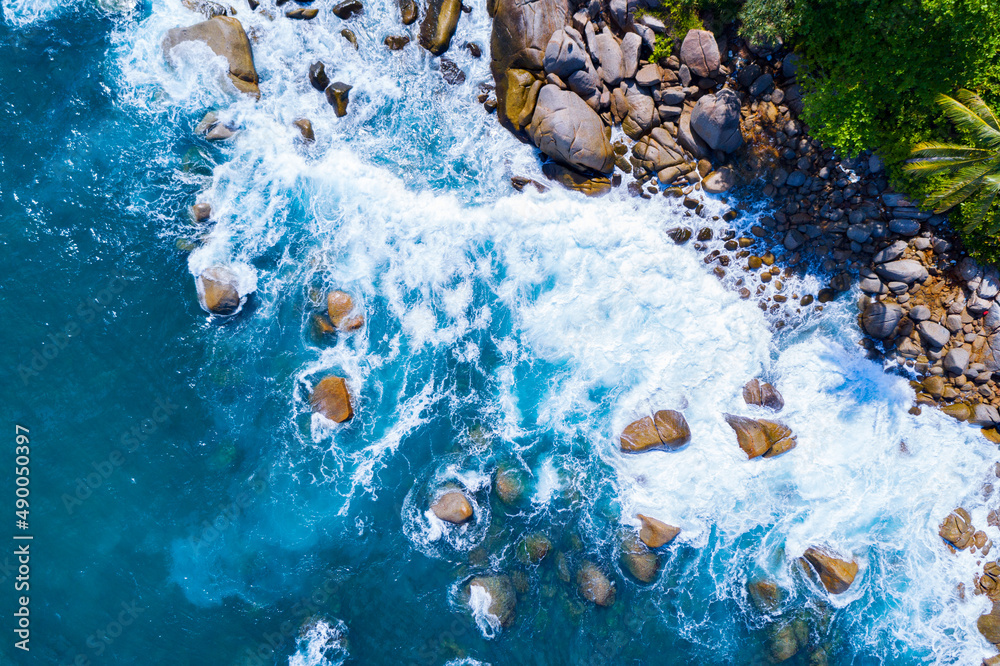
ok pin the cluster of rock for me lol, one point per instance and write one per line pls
(667, 430)
(564, 76)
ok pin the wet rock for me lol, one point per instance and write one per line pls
(509, 485)
(680, 235)
(408, 11)
(533, 548)
(201, 212)
(666, 430)
(765, 594)
(350, 37)
(835, 574)
(225, 37)
(700, 52)
(220, 132)
(474, 49)
(331, 399)
(302, 13)
(959, 411)
(592, 186)
(720, 181)
(347, 9)
(493, 594)
(761, 437)
(451, 72)
(763, 394)
(340, 308)
(957, 529)
(716, 119)
(565, 128)
(655, 533)
(640, 561)
(594, 585)
(881, 319)
(785, 640)
(218, 291)
(396, 42)
(317, 76)
(438, 26)
(338, 94)
(452, 507)
(305, 128)
(207, 8)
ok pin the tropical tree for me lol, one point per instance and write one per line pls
(970, 173)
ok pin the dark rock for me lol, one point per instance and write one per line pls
(408, 11)
(305, 129)
(592, 186)
(500, 592)
(347, 9)
(880, 320)
(302, 14)
(350, 37)
(763, 394)
(318, 77)
(907, 271)
(716, 119)
(451, 72)
(337, 94)
(396, 42)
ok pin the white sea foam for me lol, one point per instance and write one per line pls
(322, 644)
(407, 203)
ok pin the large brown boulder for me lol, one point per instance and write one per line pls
(761, 437)
(438, 26)
(340, 308)
(331, 399)
(655, 533)
(716, 119)
(957, 529)
(226, 37)
(452, 507)
(218, 291)
(700, 52)
(835, 574)
(521, 32)
(502, 596)
(666, 430)
(989, 625)
(594, 585)
(566, 129)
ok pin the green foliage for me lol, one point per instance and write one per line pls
(767, 21)
(970, 171)
(679, 16)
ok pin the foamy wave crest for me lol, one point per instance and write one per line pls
(321, 644)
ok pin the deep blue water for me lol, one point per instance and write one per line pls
(187, 508)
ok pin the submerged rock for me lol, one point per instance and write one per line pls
(762, 394)
(226, 37)
(340, 309)
(438, 26)
(331, 399)
(594, 585)
(655, 533)
(835, 574)
(452, 507)
(666, 430)
(509, 485)
(533, 548)
(640, 561)
(765, 594)
(493, 595)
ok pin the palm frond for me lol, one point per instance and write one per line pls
(963, 185)
(979, 107)
(967, 120)
(935, 164)
(989, 188)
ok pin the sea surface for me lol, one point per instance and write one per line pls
(188, 508)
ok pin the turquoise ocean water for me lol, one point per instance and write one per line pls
(187, 507)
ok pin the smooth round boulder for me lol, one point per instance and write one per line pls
(907, 271)
(533, 548)
(716, 119)
(655, 533)
(880, 320)
(494, 595)
(340, 308)
(218, 291)
(835, 574)
(226, 37)
(452, 507)
(564, 54)
(719, 181)
(956, 361)
(331, 398)
(700, 52)
(566, 129)
(438, 26)
(594, 585)
(509, 485)
(933, 334)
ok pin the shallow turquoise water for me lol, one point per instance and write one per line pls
(503, 328)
